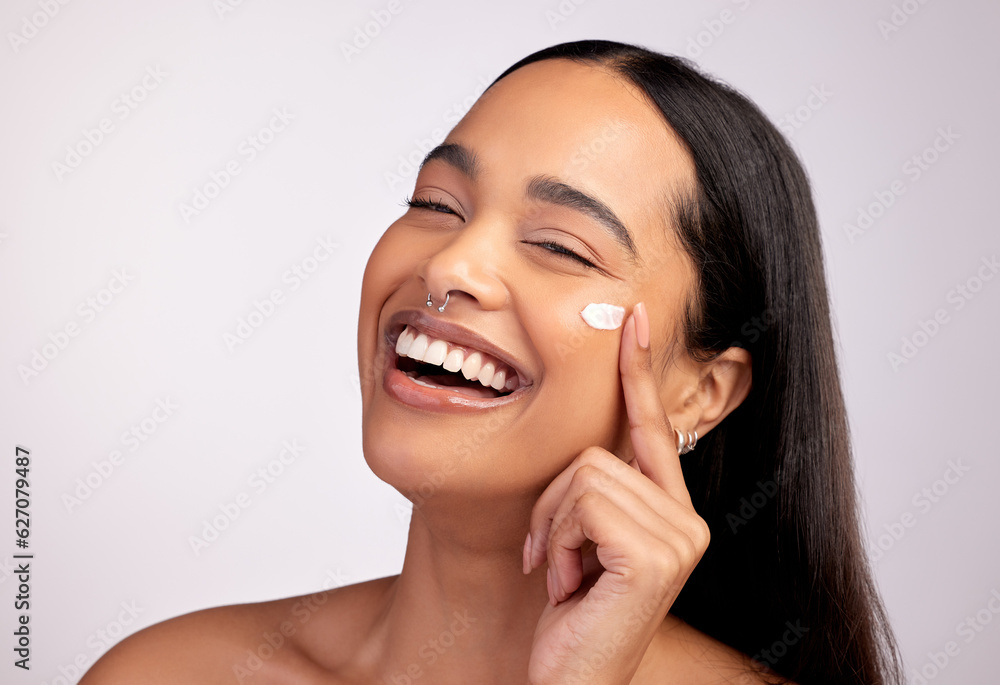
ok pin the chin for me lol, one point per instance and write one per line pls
(409, 462)
(457, 464)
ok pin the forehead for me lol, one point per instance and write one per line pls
(584, 125)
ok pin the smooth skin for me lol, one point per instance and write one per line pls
(549, 537)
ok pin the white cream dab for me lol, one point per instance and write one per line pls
(605, 317)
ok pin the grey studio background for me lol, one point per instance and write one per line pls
(189, 192)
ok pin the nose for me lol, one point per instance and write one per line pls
(466, 268)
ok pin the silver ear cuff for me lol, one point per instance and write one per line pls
(685, 442)
(441, 308)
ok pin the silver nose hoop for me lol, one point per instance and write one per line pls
(447, 296)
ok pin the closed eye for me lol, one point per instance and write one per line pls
(560, 249)
(421, 203)
(434, 205)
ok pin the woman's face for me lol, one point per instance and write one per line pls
(556, 153)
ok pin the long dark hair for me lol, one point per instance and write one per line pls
(786, 578)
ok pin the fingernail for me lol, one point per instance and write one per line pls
(641, 325)
(526, 555)
(550, 586)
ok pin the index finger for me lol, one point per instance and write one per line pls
(654, 442)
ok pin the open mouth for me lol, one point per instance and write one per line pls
(436, 363)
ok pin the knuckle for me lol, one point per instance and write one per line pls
(618, 465)
(666, 564)
(586, 473)
(591, 455)
(589, 477)
(703, 534)
(558, 521)
(590, 500)
(688, 552)
(691, 546)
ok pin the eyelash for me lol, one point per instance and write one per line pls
(420, 203)
(434, 205)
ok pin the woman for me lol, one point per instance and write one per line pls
(562, 520)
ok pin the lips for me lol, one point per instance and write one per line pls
(442, 392)
(441, 362)
(455, 334)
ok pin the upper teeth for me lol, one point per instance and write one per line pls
(474, 365)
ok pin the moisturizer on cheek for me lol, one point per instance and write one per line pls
(604, 317)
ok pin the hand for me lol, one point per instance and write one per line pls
(620, 540)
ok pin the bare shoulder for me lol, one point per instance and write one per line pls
(197, 648)
(691, 656)
(272, 641)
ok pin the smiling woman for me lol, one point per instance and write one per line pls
(558, 535)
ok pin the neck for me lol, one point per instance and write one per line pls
(461, 610)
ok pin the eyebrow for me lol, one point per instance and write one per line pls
(544, 189)
(548, 189)
(458, 156)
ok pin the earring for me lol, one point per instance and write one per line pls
(447, 296)
(685, 441)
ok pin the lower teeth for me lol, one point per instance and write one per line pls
(473, 391)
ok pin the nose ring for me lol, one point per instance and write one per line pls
(447, 296)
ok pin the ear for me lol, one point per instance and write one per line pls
(714, 390)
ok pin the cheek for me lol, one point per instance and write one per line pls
(391, 262)
(574, 351)
(388, 258)
(590, 380)
(388, 267)
(581, 388)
